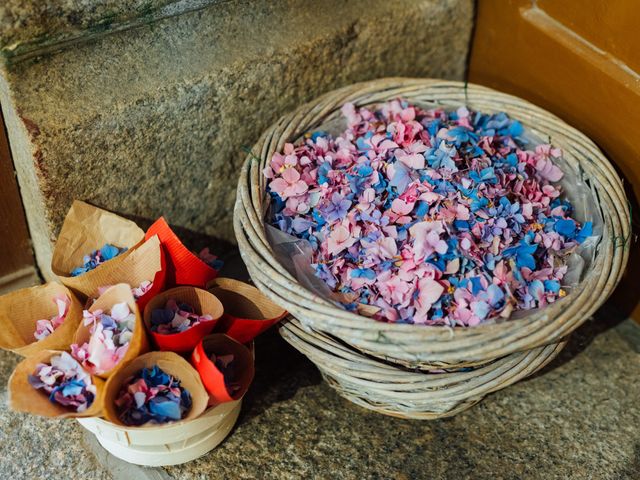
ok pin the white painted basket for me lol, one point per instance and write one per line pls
(172, 444)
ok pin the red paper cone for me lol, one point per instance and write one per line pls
(203, 303)
(247, 312)
(183, 266)
(212, 377)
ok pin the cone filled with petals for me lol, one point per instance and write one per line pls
(111, 333)
(178, 318)
(52, 383)
(130, 395)
(44, 317)
(92, 244)
(144, 270)
(225, 367)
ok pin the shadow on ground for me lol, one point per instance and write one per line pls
(280, 372)
(606, 318)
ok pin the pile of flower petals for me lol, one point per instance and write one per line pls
(431, 217)
(142, 289)
(66, 382)
(152, 396)
(110, 337)
(45, 327)
(97, 258)
(175, 318)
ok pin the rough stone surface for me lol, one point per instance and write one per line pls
(153, 120)
(26, 26)
(577, 419)
(39, 448)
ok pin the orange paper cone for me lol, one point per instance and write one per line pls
(247, 312)
(212, 377)
(183, 266)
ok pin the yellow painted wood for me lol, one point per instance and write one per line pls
(611, 26)
(580, 60)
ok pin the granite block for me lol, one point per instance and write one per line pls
(153, 120)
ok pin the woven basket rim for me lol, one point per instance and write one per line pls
(370, 333)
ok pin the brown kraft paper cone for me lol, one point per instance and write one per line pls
(172, 364)
(143, 263)
(25, 398)
(139, 342)
(20, 310)
(85, 229)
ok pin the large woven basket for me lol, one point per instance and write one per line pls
(419, 346)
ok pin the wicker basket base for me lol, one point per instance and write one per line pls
(400, 392)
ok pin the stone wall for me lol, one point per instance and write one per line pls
(152, 120)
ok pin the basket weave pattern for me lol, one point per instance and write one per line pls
(413, 346)
(401, 392)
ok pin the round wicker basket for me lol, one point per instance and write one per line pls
(434, 347)
(394, 390)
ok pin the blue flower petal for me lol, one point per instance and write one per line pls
(552, 286)
(165, 408)
(566, 228)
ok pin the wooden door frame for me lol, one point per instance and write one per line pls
(17, 263)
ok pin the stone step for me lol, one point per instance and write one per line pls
(152, 120)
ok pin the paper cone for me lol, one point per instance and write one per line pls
(170, 363)
(247, 312)
(212, 378)
(20, 310)
(87, 228)
(145, 262)
(24, 398)
(139, 343)
(203, 303)
(183, 266)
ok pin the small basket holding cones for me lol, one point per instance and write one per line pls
(93, 350)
